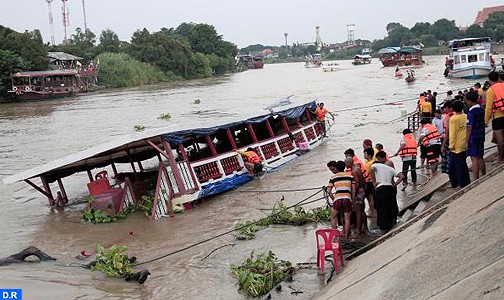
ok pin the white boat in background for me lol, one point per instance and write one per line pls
(469, 58)
(329, 67)
(313, 61)
(361, 59)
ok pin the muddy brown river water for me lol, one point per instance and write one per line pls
(38, 132)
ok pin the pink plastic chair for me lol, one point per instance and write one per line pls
(325, 242)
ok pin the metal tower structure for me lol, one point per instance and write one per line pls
(51, 23)
(66, 20)
(318, 40)
(350, 34)
(84, 12)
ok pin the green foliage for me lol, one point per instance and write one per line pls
(96, 216)
(139, 128)
(114, 262)
(495, 25)
(281, 215)
(197, 101)
(146, 205)
(246, 231)
(109, 42)
(10, 63)
(199, 66)
(165, 116)
(29, 46)
(121, 70)
(220, 65)
(260, 274)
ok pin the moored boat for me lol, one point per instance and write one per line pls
(189, 164)
(389, 56)
(410, 57)
(361, 59)
(469, 58)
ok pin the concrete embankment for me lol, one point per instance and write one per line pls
(454, 250)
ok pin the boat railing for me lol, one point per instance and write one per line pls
(163, 195)
(185, 172)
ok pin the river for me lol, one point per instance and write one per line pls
(34, 133)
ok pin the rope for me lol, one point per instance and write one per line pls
(223, 233)
(280, 191)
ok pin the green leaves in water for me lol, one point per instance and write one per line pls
(114, 262)
(280, 214)
(95, 216)
(165, 116)
(260, 274)
(139, 128)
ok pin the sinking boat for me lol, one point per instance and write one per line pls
(184, 166)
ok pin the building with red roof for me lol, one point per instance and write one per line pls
(485, 12)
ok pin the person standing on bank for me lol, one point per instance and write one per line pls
(320, 114)
(475, 134)
(494, 111)
(252, 161)
(431, 140)
(344, 193)
(458, 172)
(385, 197)
(408, 152)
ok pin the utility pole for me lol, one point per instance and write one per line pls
(66, 20)
(350, 34)
(51, 23)
(84, 12)
(286, 45)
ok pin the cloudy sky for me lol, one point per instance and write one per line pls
(242, 22)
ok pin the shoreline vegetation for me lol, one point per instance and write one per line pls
(194, 51)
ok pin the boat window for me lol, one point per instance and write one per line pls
(456, 60)
(276, 124)
(261, 131)
(487, 56)
(221, 142)
(472, 58)
(463, 58)
(482, 57)
(197, 148)
(241, 136)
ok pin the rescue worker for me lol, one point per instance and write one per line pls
(252, 161)
(431, 140)
(408, 152)
(494, 111)
(320, 113)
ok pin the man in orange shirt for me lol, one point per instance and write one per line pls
(494, 111)
(320, 113)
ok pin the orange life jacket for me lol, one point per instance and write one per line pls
(498, 89)
(320, 113)
(410, 148)
(445, 122)
(359, 163)
(432, 135)
(252, 157)
(421, 101)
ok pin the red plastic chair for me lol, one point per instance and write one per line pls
(325, 242)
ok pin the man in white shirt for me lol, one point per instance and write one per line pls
(386, 190)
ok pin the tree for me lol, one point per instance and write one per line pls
(445, 30)
(476, 31)
(10, 63)
(109, 41)
(28, 45)
(393, 26)
(421, 28)
(495, 25)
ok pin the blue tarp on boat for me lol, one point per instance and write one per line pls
(176, 138)
(223, 185)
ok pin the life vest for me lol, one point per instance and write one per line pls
(445, 123)
(498, 89)
(421, 101)
(432, 135)
(320, 113)
(252, 157)
(410, 148)
(359, 163)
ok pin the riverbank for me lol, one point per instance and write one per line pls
(452, 250)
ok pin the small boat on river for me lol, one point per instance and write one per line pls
(329, 67)
(178, 167)
(361, 59)
(313, 60)
(469, 58)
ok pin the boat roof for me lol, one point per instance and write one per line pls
(389, 50)
(63, 72)
(63, 56)
(363, 56)
(133, 147)
(485, 39)
(408, 49)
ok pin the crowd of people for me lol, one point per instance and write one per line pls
(449, 133)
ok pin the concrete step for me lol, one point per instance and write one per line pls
(420, 208)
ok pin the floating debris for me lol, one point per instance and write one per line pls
(165, 116)
(197, 101)
(139, 127)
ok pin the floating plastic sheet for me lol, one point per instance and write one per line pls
(223, 185)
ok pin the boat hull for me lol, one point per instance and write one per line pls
(470, 72)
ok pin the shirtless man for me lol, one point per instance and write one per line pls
(360, 194)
